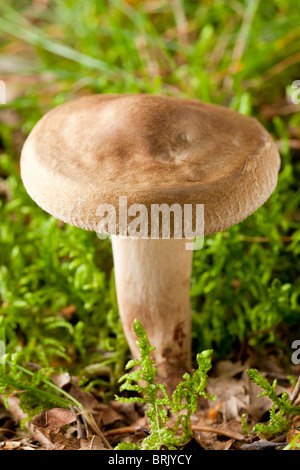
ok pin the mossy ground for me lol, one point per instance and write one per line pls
(57, 298)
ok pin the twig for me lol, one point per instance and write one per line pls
(78, 422)
(98, 431)
(262, 444)
(85, 424)
(88, 420)
(296, 391)
(220, 431)
(7, 430)
(282, 437)
(125, 430)
(195, 427)
(92, 442)
(281, 66)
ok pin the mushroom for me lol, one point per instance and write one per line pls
(93, 152)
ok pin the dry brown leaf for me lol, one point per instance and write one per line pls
(62, 443)
(129, 410)
(61, 380)
(94, 444)
(257, 406)
(228, 368)
(15, 445)
(50, 422)
(87, 399)
(14, 408)
(231, 394)
(110, 416)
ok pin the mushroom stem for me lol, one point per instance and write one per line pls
(153, 285)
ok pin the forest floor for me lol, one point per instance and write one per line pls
(59, 318)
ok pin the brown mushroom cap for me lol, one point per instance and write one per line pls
(152, 149)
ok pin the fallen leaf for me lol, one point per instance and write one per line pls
(50, 422)
(94, 444)
(109, 416)
(61, 380)
(257, 406)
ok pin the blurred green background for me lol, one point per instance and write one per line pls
(57, 299)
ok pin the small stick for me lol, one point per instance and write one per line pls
(98, 431)
(7, 430)
(92, 442)
(262, 444)
(93, 425)
(195, 427)
(85, 425)
(121, 431)
(80, 413)
(296, 391)
(282, 437)
(78, 422)
(221, 431)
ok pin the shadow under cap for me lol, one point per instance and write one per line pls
(152, 149)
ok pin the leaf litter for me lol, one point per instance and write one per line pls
(216, 425)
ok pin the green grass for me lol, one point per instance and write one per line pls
(244, 55)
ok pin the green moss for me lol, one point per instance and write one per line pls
(245, 279)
